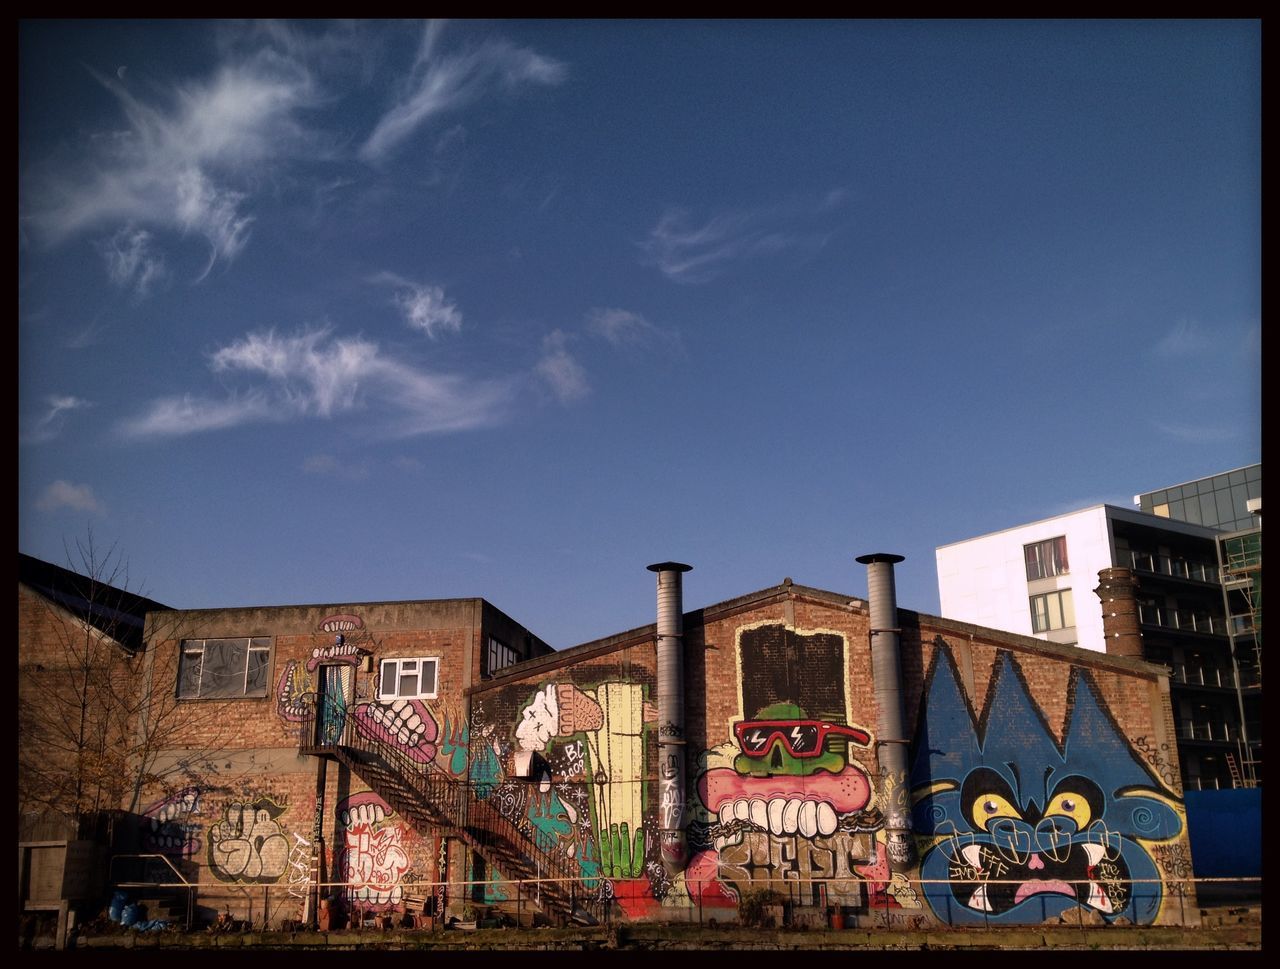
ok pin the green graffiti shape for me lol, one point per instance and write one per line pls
(619, 857)
(454, 745)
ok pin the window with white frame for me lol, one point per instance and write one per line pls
(408, 678)
(500, 655)
(224, 669)
(1047, 558)
(1053, 610)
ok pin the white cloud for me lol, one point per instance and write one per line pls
(327, 464)
(441, 83)
(49, 425)
(562, 373)
(625, 329)
(179, 164)
(131, 260)
(313, 375)
(424, 307)
(1184, 339)
(688, 252)
(64, 494)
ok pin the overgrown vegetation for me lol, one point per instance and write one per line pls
(758, 906)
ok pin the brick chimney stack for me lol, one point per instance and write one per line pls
(1118, 590)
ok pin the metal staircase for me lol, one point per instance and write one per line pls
(436, 803)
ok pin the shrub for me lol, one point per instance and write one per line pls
(754, 905)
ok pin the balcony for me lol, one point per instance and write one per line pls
(1214, 730)
(1183, 620)
(1206, 676)
(1175, 568)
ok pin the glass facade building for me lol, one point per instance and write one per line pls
(1219, 501)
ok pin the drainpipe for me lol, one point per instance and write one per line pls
(891, 732)
(671, 760)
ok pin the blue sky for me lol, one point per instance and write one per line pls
(344, 312)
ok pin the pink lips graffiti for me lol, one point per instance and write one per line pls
(845, 792)
(406, 724)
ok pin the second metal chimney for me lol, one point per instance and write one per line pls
(671, 758)
(886, 672)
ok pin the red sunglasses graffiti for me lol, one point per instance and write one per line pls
(802, 738)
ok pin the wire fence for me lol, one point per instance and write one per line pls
(802, 903)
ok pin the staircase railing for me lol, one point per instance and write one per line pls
(424, 792)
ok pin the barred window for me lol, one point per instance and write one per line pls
(500, 656)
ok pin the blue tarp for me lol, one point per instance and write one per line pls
(1226, 832)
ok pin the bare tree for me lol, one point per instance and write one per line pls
(91, 728)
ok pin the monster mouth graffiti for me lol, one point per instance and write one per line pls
(295, 698)
(168, 829)
(406, 724)
(1089, 873)
(816, 805)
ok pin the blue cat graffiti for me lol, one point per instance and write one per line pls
(1014, 827)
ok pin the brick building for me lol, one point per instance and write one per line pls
(899, 768)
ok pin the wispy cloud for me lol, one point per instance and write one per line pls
(687, 251)
(1199, 433)
(425, 308)
(63, 494)
(327, 464)
(313, 375)
(560, 370)
(627, 330)
(49, 424)
(181, 163)
(439, 83)
(132, 262)
(1184, 339)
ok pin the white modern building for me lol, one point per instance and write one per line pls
(1038, 579)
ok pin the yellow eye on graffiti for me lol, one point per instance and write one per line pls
(1073, 806)
(988, 807)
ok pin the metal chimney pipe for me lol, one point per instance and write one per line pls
(671, 758)
(891, 730)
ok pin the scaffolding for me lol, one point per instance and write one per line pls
(1240, 568)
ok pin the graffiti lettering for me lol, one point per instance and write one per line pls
(247, 845)
(373, 861)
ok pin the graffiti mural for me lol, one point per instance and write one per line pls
(405, 724)
(588, 801)
(372, 859)
(1017, 828)
(170, 827)
(785, 804)
(248, 845)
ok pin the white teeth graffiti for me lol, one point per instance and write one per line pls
(783, 816)
(364, 814)
(400, 720)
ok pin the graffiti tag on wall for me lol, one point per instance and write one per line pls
(248, 845)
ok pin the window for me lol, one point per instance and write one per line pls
(223, 668)
(1052, 610)
(500, 655)
(408, 679)
(1046, 558)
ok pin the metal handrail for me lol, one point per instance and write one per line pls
(450, 803)
(190, 888)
